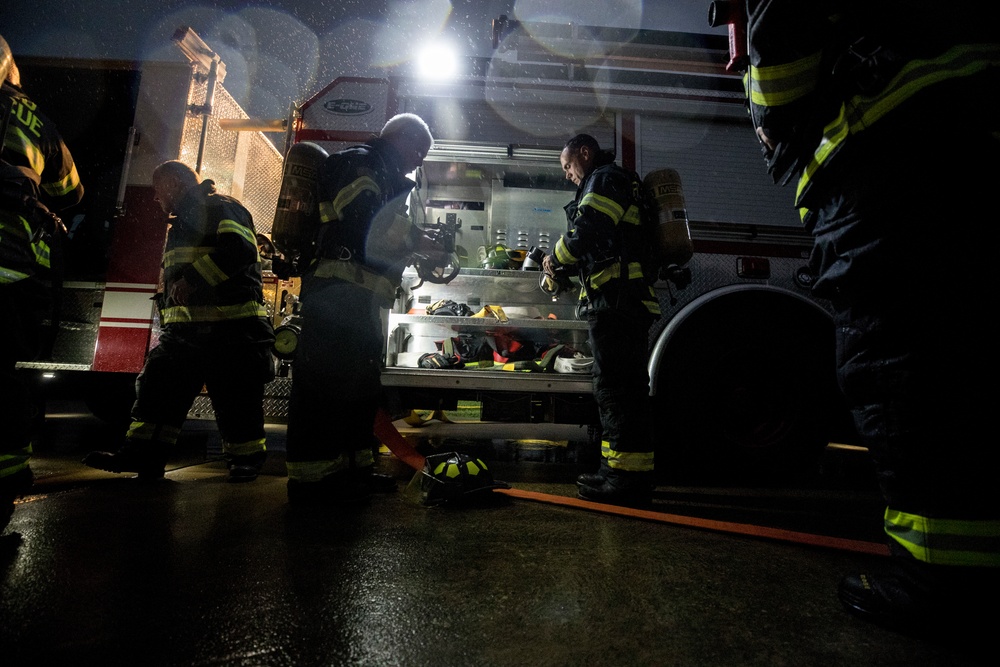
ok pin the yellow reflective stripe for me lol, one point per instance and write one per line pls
(627, 461)
(12, 463)
(326, 212)
(562, 253)
(233, 227)
(149, 431)
(244, 448)
(209, 270)
(42, 253)
(66, 184)
(605, 205)
(614, 271)
(8, 276)
(861, 112)
(185, 255)
(355, 273)
(182, 314)
(783, 84)
(350, 192)
(314, 471)
(632, 215)
(946, 541)
(26, 147)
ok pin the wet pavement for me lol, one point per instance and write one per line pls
(193, 570)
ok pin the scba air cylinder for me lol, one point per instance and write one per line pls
(673, 234)
(297, 213)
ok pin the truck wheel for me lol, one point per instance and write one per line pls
(109, 396)
(746, 386)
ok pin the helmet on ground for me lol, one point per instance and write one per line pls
(453, 477)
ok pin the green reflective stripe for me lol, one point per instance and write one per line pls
(314, 471)
(244, 448)
(181, 314)
(65, 185)
(20, 229)
(326, 212)
(614, 271)
(360, 275)
(209, 270)
(185, 255)
(861, 112)
(26, 147)
(562, 253)
(605, 205)
(233, 227)
(351, 191)
(627, 461)
(783, 84)
(149, 431)
(946, 541)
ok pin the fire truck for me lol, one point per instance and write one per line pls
(121, 120)
(742, 360)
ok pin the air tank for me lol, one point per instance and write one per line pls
(673, 234)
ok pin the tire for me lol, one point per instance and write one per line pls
(746, 387)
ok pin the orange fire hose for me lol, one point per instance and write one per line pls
(403, 450)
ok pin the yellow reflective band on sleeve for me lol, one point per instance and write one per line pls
(188, 314)
(315, 471)
(42, 253)
(244, 448)
(349, 193)
(65, 185)
(605, 205)
(632, 216)
(562, 253)
(861, 112)
(23, 145)
(209, 270)
(149, 431)
(784, 84)
(353, 272)
(946, 541)
(184, 255)
(233, 227)
(627, 461)
(8, 276)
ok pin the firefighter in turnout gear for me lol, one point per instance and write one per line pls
(877, 111)
(37, 178)
(605, 246)
(216, 333)
(364, 242)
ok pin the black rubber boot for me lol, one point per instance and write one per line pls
(595, 479)
(245, 468)
(148, 460)
(621, 488)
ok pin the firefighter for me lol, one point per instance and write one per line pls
(216, 333)
(364, 242)
(37, 177)
(876, 109)
(605, 246)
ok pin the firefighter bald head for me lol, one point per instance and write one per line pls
(170, 181)
(578, 157)
(410, 136)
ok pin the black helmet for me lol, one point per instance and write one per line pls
(455, 477)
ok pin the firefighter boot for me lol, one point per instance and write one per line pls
(594, 478)
(147, 459)
(621, 488)
(245, 468)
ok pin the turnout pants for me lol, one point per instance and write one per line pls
(336, 387)
(233, 371)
